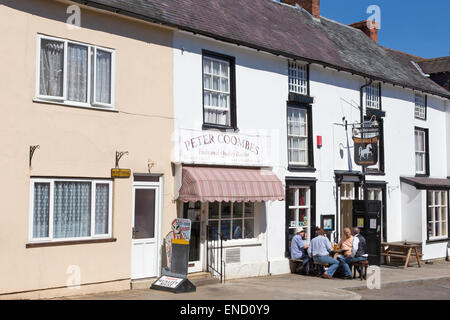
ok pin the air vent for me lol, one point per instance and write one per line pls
(233, 255)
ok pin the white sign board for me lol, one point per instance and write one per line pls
(168, 282)
(218, 147)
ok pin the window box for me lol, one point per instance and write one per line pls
(64, 210)
(74, 73)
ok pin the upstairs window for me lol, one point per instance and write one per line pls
(218, 98)
(298, 78)
(373, 96)
(299, 144)
(75, 73)
(421, 147)
(420, 106)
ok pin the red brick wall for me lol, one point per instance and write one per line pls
(312, 6)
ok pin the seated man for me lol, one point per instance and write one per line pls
(359, 248)
(346, 243)
(298, 250)
(319, 250)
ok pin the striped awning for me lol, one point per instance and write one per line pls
(229, 184)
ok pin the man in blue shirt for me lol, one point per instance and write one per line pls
(319, 250)
(298, 250)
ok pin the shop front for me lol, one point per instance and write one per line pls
(228, 201)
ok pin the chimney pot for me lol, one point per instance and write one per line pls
(370, 28)
(312, 6)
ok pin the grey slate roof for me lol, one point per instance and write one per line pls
(427, 183)
(436, 65)
(280, 29)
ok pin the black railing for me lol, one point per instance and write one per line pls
(214, 253)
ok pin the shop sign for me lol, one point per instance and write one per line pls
(217, 147)
(120, 173)
(366, 151)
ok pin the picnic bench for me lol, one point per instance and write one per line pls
(403, 250)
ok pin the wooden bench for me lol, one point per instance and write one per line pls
(364, 265)
(294, 264)
(401, 250)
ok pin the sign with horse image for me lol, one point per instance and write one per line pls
(366, 151)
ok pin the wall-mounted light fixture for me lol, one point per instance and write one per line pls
(32, 150)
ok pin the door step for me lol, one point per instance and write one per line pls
(142, 284)
(202, 279)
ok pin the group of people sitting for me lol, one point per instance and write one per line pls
(319, 250)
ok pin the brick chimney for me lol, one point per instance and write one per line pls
(312, 6)
(370, 28)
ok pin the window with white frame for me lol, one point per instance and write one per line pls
(347, 191)
(373, 95)
(216, 91)
(437, 215)
(69, 209)
(298, 136)
(299, 208)
(420, 106)
(234, 220)
(74, 73)
(298, 77)
(374, 194)
(421, 150)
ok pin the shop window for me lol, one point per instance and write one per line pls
(299, 208)
(75, 73)
(218, 91)
(437, 215)
(70, 209)
(234, 220)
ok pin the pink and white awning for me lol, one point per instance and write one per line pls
(209, 184)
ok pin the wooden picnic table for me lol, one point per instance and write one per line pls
(402, 250)
(335, 253)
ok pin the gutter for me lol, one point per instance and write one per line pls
(158, 21)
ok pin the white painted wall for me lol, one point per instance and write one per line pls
(261, 94)
(412, 202)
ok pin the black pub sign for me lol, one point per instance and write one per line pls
(366, 151)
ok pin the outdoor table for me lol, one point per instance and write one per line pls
(400, 250)
(335, 253)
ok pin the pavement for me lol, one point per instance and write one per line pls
(298, 287)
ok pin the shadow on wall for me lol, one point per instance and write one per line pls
(124, 27)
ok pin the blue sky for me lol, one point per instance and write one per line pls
(414, 26)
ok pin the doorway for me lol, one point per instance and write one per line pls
(193, 212)
(348, 194)
(145, 232)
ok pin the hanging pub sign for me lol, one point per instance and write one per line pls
(366, 151)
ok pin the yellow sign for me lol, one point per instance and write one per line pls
(120, 173)
(180, 241)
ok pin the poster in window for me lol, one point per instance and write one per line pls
(327, 222)
(360, 222)
(373, 223)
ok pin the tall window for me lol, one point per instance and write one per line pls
(420, 106)
(298, 136)
(75, 73)
(420, 136)
(298, 77)
(70, 209)
(373, 96)
(234, 220)
(218, 101)
(437, 215)
(299, 208)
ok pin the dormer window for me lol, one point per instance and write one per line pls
(373, 96)
(298, 78)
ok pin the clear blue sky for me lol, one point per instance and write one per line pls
(419, 27)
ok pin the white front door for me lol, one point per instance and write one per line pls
(146, 218)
